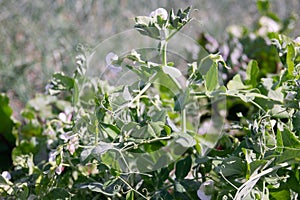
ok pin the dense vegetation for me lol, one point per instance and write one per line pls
(219, 121)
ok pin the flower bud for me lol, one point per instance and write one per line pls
(159, 12)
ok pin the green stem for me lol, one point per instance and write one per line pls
(183, 120)
(96, 131)
(164, 44)
(131, 188)
(147, 86)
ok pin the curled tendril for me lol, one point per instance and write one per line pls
(123, 191)
(145, 191)
(118, 188)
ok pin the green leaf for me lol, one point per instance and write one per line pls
(183, 167)
(172, 71)
(279, 111)
(57, 193)
(289, 139)
(151, 31)
(85, 155)
(180, 19)
(112, 130)
(211, 78)
(31, 129)
(252, 73)
(288, 144)
(3, 181)
(101, 148)
(158, 115)
(179, 188)
(143, 20)
(236, 83)
(296, 122)
(61, 82)
(280, 194)
(28, 114)
(233, 166)
(290, 56)
(24, 194)
(75, 98)
(151, 130)
(7, 123)
(130, 195)
(290, 155)
(181, 100)
(257, 164)
(168, 82)
(276, 95)
(279, 141)
(263, 5)
(185, 140)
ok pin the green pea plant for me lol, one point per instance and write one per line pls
(89, 139)
(258, 157)
(150, 127)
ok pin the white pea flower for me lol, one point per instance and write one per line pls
(66, 136)
(290, 96)
(159, 12)
(49, 143)
(48, 87)
(73, 145)
(66, 118)
(110, 59)
(52, 156)
(297, 40)
(205, 188)
(268, 25)
(60, 168)
(6, 175)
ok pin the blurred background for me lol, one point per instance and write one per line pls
(40, 37)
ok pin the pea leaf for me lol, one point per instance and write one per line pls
(211, 78)
(290, 59)
(181, 100)
(233, 166)
(280, 194)
(252, 73)
(130, 195)
(172, 71)
(236, 83)
(57, 193)
(101, 148)
(183, 167)
(60, 82)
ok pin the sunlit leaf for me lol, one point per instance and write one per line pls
(211, 78)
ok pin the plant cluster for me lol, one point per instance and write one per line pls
(87, 139)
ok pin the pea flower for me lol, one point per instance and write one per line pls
(60, 168)
(52, 156)
(73, 144)
(66, 136)
(159, 12)
(111, 58)
(205, 189)
(66, 118)
(6, 175)
(268, 25)
(297, 40)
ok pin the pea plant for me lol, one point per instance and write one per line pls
(164, 134)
